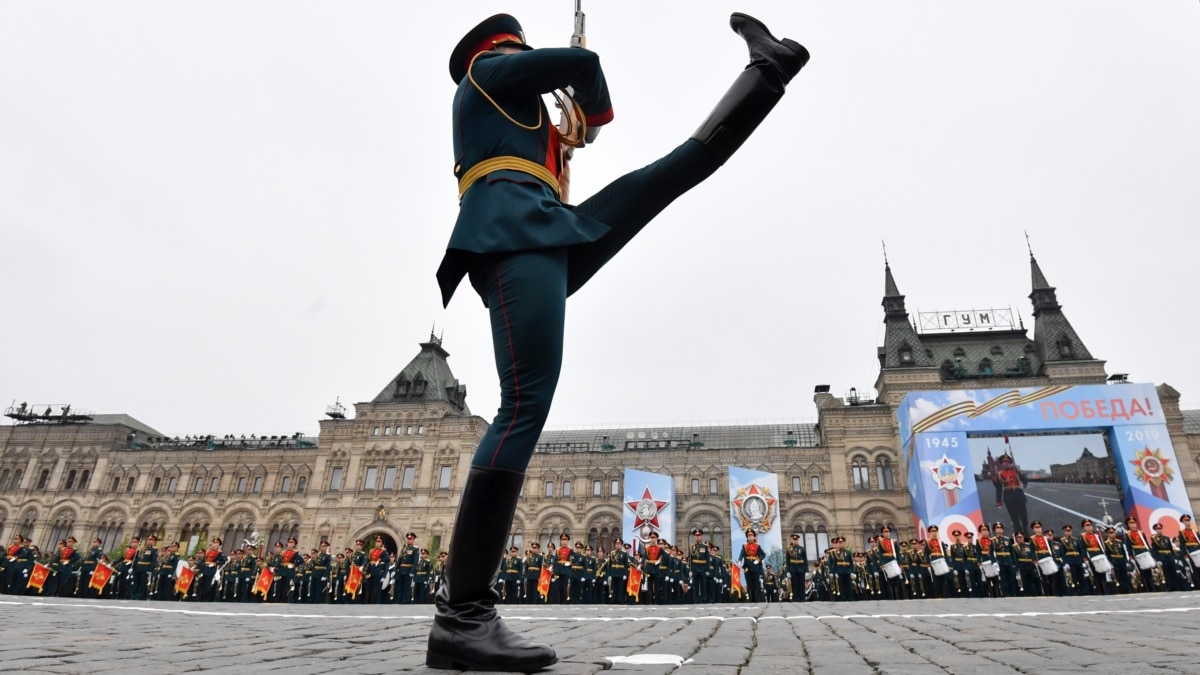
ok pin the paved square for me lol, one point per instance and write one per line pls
(1154, 633)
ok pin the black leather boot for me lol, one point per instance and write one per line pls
(467, 633)
(773, 63)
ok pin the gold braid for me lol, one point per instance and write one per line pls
(508, 117)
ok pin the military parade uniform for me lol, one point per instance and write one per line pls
(941, 585)
(214, 560)
(86, 568)
(575, 591)
(165, 575)
(751, 559)
(406, 566)
(124, 573)
(698, 561)
(1114, 548)
(1073, 552)
(1140, 543)
(378, 561)
(144, 564)
(533, 572)
(359, 559)
(1164, 553)
(247, 576)
(797, 569)
(525, 250)
(422, 579)
(618, 576)
(652, 569)
(886, 553)
(1093, 549)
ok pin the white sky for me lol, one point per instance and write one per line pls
(219, 216)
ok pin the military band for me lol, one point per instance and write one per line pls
(1096, 561)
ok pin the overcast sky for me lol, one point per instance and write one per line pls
(219, 217)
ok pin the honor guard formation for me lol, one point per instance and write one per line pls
(1094, 560)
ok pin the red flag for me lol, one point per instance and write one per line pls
(354, 581)
(38, 576)
(100, 577)
(634, 585)
(735, 580)
(184, 582)
(263, 585)
(543, 586)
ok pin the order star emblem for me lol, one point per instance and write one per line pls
(948, 474)
(755, 506)
(645, 510)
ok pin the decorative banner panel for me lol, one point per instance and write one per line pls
(649, 507)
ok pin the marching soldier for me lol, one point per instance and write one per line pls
(144, 564)
(561, 580)
(590, 566)
(423, 578)
(1097, 564)
(214, 560)
(1029, 581)
(166, 572)
(1139, 543)
(285, 573)
(971, 562)
(917, 571)
(1006, 559)
(1042, 548)
(378, 561)
(527, 250)
(941, 585)
(358, 558)
(1073, 552)
(322, 569)
(1114, 548)
(406, 566)
(751, 559)
(229, 576)
(68, 566)
(511, 574)
(958, 564)
(887, 554)
(83, 588)
(533, 571)
(575, 589)
(698, 561)
(797, 568)
(618, 573)
(1189, 543)
(124, 569)
(1164, 553)
(247, 575)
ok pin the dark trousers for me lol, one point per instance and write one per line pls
(526, 294)
(798, 591)
(1018, 512)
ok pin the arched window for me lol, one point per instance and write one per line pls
(70, 484)
(862, 475)
(795, 483)
(84, 478)
(45, 476)
(695, 486)
(816, 484)
(566, 488)
(549, 488)
(883, 474)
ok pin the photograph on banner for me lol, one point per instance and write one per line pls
(1066, 477)
(754, 503)
(1128, 416)
(649, 507)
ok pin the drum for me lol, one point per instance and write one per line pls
(939, 567)
(892, 569)
(1047, 566)
(1101, 564)
(1195, 556)
(991, 569)
(1145, 560)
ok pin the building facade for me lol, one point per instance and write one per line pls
(398, 464)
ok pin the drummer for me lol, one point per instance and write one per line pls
(1044, 555)
(889, 563)
(1139, 544)
(1189, 541)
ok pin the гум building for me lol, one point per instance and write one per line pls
(398, 464)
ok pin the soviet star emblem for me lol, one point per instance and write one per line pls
(645, 510)
(948, 474)
(1152, 467)
(754, 506)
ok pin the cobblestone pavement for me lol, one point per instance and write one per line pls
(1155, 633)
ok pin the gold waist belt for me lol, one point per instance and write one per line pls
(507, 163)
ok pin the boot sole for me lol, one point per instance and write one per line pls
(444, 662)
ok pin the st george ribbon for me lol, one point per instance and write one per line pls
(934, 426)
